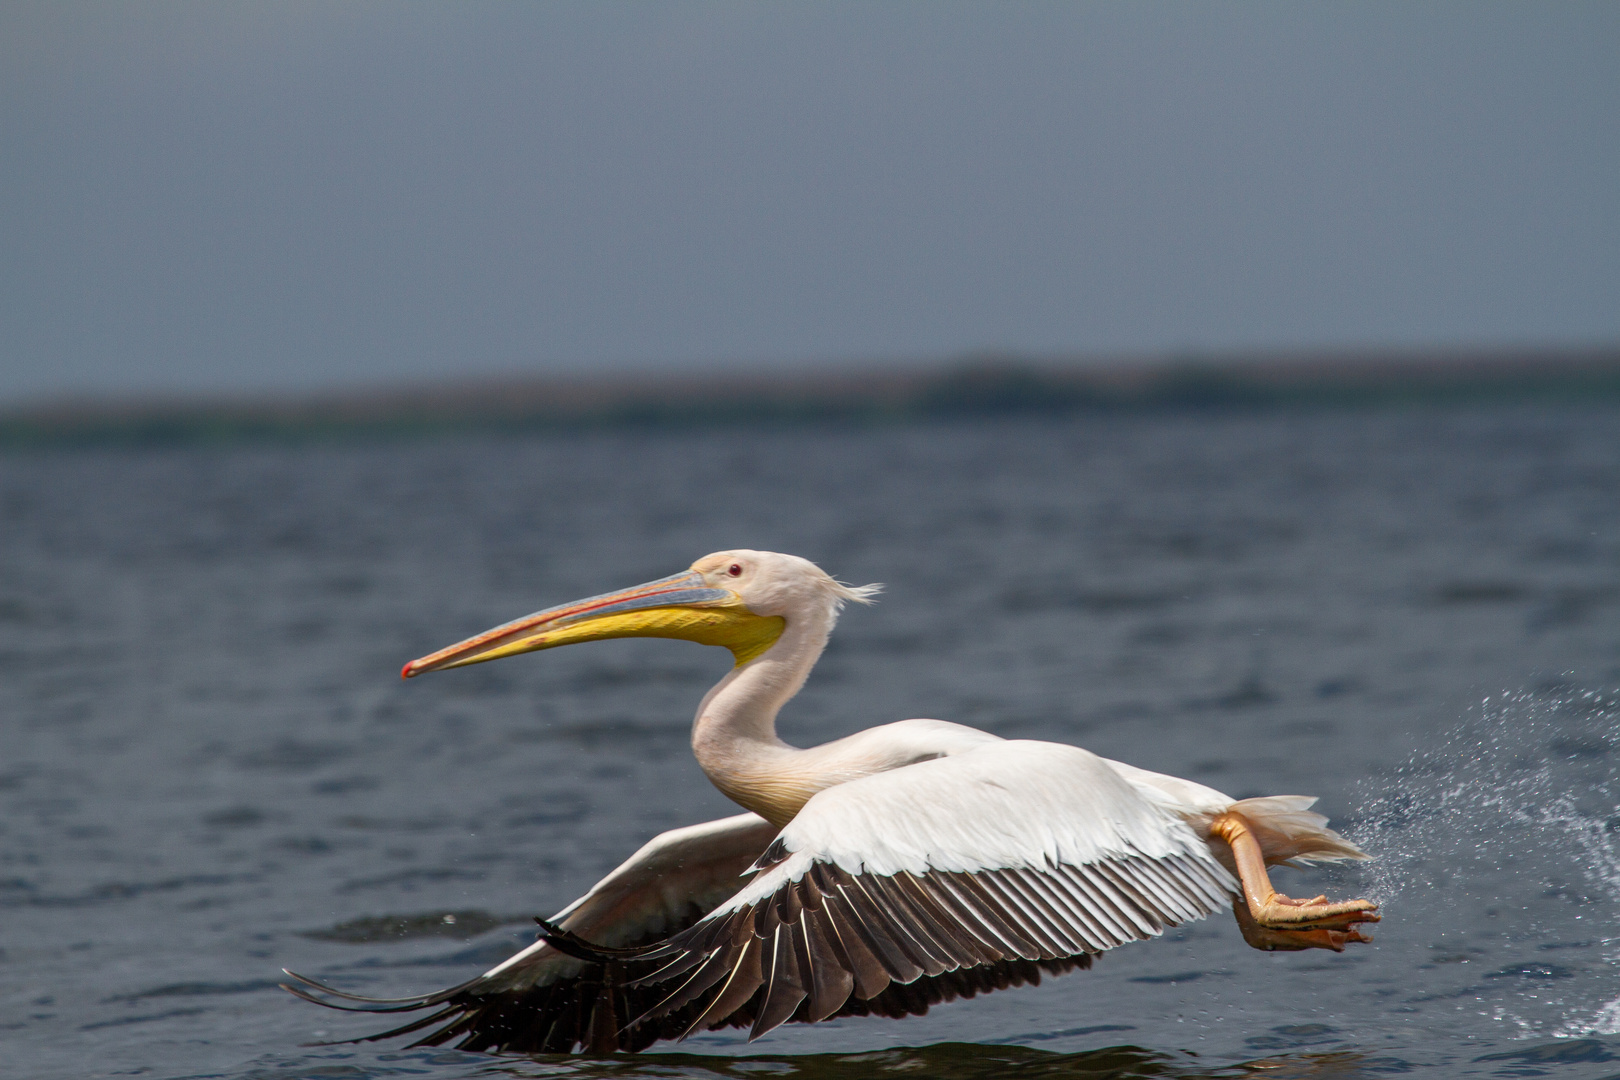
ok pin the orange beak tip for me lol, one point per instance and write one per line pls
(406, 672)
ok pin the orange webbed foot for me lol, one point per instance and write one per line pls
(1293, 939)
(1319, 925)
(1279, 912)
(1269, 919)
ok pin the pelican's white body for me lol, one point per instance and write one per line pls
(914, 795)
(983, 853)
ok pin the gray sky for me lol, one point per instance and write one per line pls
(233, 197)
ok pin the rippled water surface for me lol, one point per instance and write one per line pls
(209, 767)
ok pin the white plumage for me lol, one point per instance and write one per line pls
(909, 864)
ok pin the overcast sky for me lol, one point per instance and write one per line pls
(236, 197)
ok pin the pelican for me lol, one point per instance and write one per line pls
(907, 865)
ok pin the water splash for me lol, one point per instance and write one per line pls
(1498, 845)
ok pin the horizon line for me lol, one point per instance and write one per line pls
(979, 382)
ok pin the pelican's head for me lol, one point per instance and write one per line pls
(741, 599)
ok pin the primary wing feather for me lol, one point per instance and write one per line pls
(543, 1000)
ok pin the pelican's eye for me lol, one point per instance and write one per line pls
(735, 569)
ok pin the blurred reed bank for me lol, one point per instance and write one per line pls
(1397, 588)
(975, 385)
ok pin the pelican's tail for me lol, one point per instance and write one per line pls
(1290, 832)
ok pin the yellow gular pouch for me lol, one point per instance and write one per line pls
(747, 635)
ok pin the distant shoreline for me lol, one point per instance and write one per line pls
(972, 386)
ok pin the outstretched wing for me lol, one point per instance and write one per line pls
(545, 1001)
(942, 879)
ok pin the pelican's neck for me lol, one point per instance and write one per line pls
(734, 735)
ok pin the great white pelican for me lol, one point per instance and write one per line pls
(906, 865)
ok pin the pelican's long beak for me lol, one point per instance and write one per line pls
(683, 606)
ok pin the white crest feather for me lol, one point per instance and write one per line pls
(860, 594)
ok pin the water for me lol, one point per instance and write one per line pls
(209, 768)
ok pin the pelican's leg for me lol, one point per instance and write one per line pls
(1269, 920)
